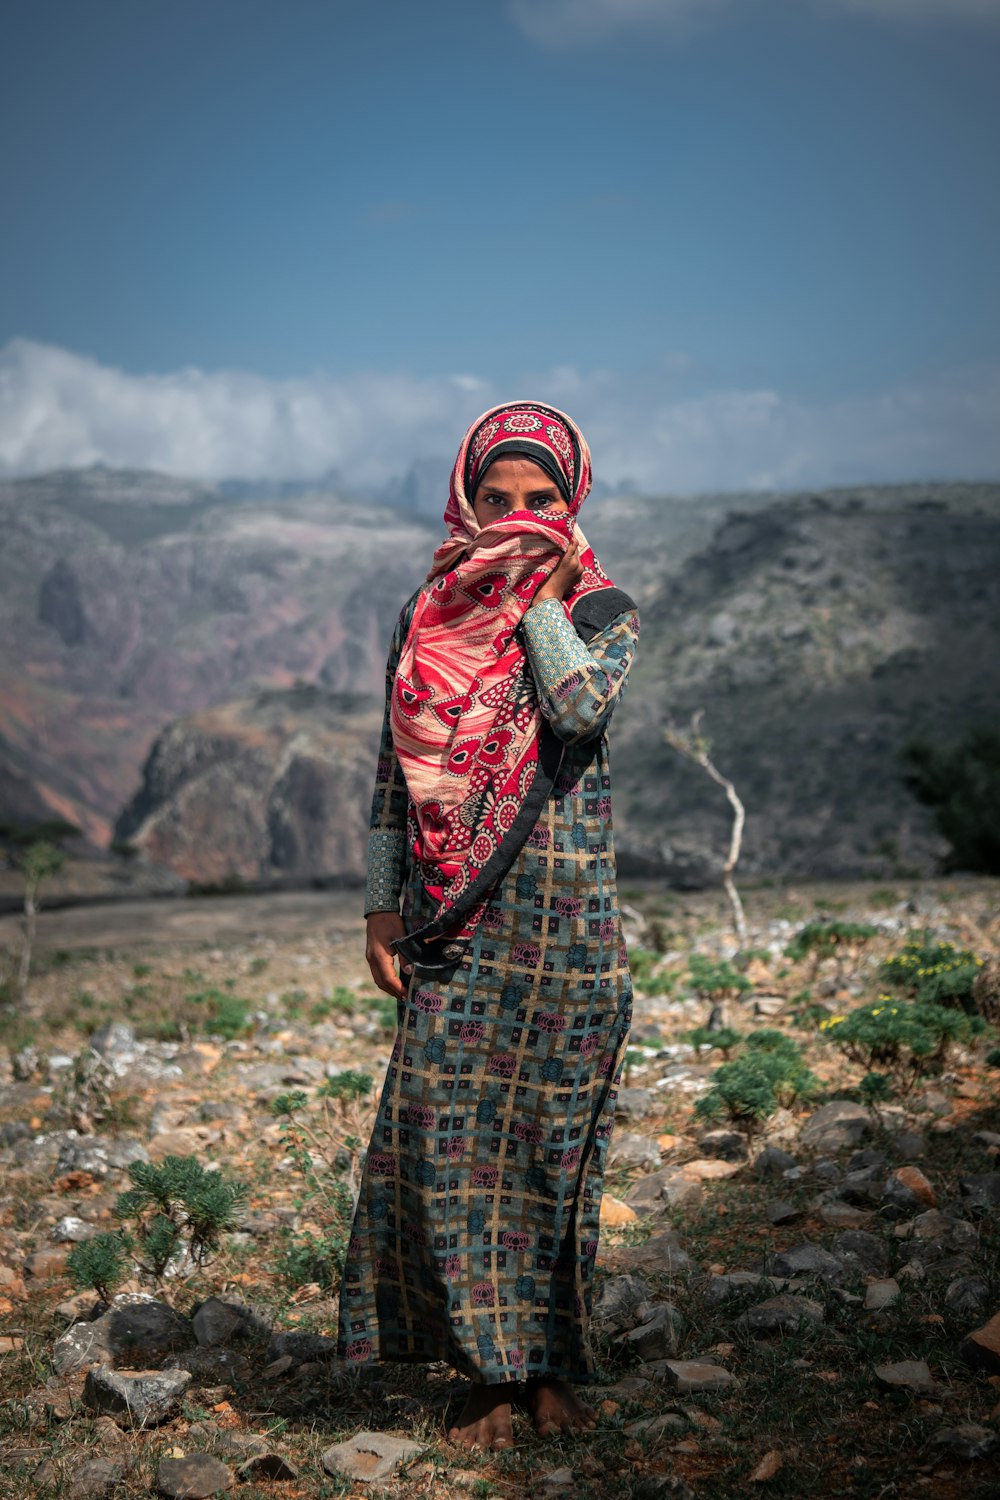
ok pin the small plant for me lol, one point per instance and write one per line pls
(903, 1039)
(226, 1015)
(258, 964)
(875, 1089)
(934, 973)
(807, 1012)
(723, 1040)
(749, 1089)
(826, 939)
(716, 979)
(102, 1264)
(644, 966)
(173, 1206)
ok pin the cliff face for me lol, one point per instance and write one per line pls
(278, 784)
(169, 628)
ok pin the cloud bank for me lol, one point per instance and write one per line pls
(560, 23)
(60, 409)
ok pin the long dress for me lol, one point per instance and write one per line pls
(476, 1229)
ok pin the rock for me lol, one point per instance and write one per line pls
(863, 1189)
(860, 1251)
(982, 1190)
(906, 1374)
(219, 1320)
(660, 1256)
(968, 1296)
(932, 1225)
(267, 1466)
(98, 1154)
(836, 1125)
(634, 1104)
(664, 1424)
(621, 1303)
(144, 1398)
(804, 1260)
(881, 1294)
(838, 1215)
(114, 1039)
(769, 1465)
(773, 1162)
(690, 1375)
(615, 1213)
(301, 1346)
(728, 1145)
(44, 1264)
(782, 1314)
(668, 1188)
(71, 1230)
(215, 1365)
(659, 1336)
(193, 1477)
(554, 1480)
(134, 1321)
(371, 1456)
(709, 1169)
(968, 1441)
(981, 1349)
(780, 1212)
(631, 1150)
(933, 1102)
(910, 1145)
(94, 1477)
(919, 1187)
(987, 1138)
(722, 1289)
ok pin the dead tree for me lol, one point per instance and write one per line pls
(694, 746)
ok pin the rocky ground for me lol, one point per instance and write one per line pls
(813, 1310)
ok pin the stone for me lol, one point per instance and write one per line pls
(661, 1255)
(906, 1374)
(860, 1251)
(634, 1104)
(99, 1155)
(910, 1145)
(769, 1465)
(114, 1039)
(932, 1225)
(968, 1296)
(981, 1191)
(881, 1294)
(773, 1162)
(782, 1314)
(969, 1441)
(690, 1375)
(214, 1365)
(615, 1213)
(628, 1149)
(134, 1321)
(668, 1188)
(554, 1480)
(805, 1260)
(43, 1265)
(301, 1346)
(621, 1303)
(664, 1424)
(987, 1138)
(916, 1183)
(219, 1320)
(709, 1169)
(728, 1145)
(659, 1336)
(780, 1212)
(267, 1466)
(722, 1289)
(372, 1456)
(94, 1477)
(143, 1398)
(838, 1215)
(863, 1189)
(71, 1230)
(836, 1125)
(981, 1348)
(193, 1477)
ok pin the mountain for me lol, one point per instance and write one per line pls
(169, 649)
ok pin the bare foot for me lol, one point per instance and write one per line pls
(484, 1421)
(556, 1407)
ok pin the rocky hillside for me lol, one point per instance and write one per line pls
(145, 621)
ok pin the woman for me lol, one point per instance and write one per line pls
(477, 1223)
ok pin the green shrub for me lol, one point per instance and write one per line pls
(175, 1205)
(226, 1015)
(715, 979)
(643, 966)
(935, 973)
(346, 1086)
(904, 1039)
(749, 1089)
(876, 1089)
(724, 1040)
(823, 939)
(102, 1264)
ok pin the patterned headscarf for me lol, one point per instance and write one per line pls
(478, 758)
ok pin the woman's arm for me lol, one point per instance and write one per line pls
(579, 683)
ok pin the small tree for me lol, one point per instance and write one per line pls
(33, 850)
(694, 746)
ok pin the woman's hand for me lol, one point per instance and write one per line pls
(564, 578)
(383, 927)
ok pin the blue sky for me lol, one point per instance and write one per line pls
(755, 241)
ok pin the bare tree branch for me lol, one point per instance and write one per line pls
(693, 745)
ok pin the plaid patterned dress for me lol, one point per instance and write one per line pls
(477, 1222)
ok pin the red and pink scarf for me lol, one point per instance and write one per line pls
(478, 758)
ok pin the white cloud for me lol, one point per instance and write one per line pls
(569, 23)
(61, 409)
